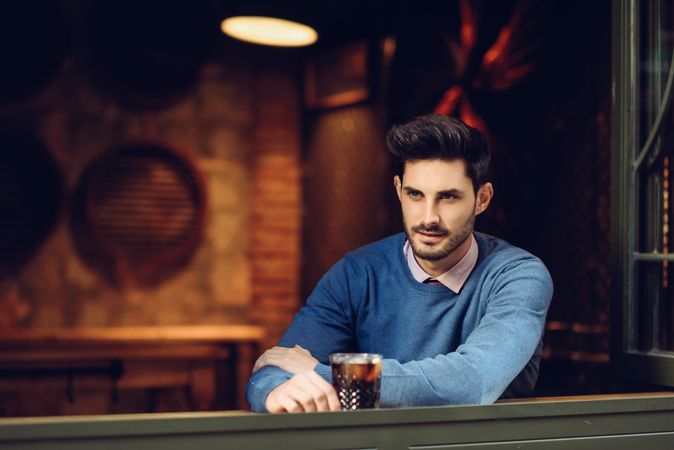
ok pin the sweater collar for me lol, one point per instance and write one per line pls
(455, 277)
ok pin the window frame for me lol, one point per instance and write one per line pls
(644, 365)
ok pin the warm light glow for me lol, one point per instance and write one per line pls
(269, 31)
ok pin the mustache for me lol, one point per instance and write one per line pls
(430, 229)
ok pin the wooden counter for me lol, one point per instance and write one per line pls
(212, 362)
(640, 422)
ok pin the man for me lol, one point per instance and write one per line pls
(458, 315)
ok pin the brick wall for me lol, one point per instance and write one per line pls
(276, 203)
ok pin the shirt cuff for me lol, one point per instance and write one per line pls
(262, 383)
(324, 371)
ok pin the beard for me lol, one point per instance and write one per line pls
(452, 241)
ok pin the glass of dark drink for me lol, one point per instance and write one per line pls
(357, 379)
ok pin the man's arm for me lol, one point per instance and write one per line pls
(480, 370)
(261, 383)
(322, 327)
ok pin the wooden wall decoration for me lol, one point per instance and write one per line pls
(33, 44)
(31, 194)
(147, 55)
(138, 213)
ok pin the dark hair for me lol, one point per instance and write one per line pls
(433, 136)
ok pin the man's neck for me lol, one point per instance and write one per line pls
(437, 268)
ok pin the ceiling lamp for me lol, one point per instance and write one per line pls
(269, 31)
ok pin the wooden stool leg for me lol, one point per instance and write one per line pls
(202, 376)
(246, 359)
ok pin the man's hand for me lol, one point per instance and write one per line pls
(304, 392)
(293, 360)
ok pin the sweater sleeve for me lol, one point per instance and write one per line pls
(323, 326)
(480, 369)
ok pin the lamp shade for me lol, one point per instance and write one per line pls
(269, 31)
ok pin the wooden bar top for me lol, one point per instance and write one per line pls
(591, 397)
(119, 335)
(626, 423)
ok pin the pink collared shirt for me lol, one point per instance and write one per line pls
(454, 278)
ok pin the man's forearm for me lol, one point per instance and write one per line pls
(261, 383)
(408, 385)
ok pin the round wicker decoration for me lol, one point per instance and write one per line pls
(31, 194)
(148, 54)
(144, 212)
(33, 46)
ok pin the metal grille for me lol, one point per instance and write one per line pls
(145, 203)
(347, 180)
(576, 243)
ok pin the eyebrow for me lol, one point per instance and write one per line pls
(455, 192)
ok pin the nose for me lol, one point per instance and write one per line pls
(431, 215)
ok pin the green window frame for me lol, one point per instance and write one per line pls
(642, 125)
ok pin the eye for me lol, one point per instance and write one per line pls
(414, 195)
(447, 196)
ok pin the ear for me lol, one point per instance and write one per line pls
(484, 195)
(398, 185)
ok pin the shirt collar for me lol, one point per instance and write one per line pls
(455, 277)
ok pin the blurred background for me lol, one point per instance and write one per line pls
(170, 195)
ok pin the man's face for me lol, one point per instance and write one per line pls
(439, 208)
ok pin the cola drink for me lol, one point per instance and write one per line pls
(357, 379)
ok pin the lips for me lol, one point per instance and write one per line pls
(427, 237)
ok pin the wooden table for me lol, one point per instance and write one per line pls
(212, 362)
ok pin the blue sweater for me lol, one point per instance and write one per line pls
(439, 347)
